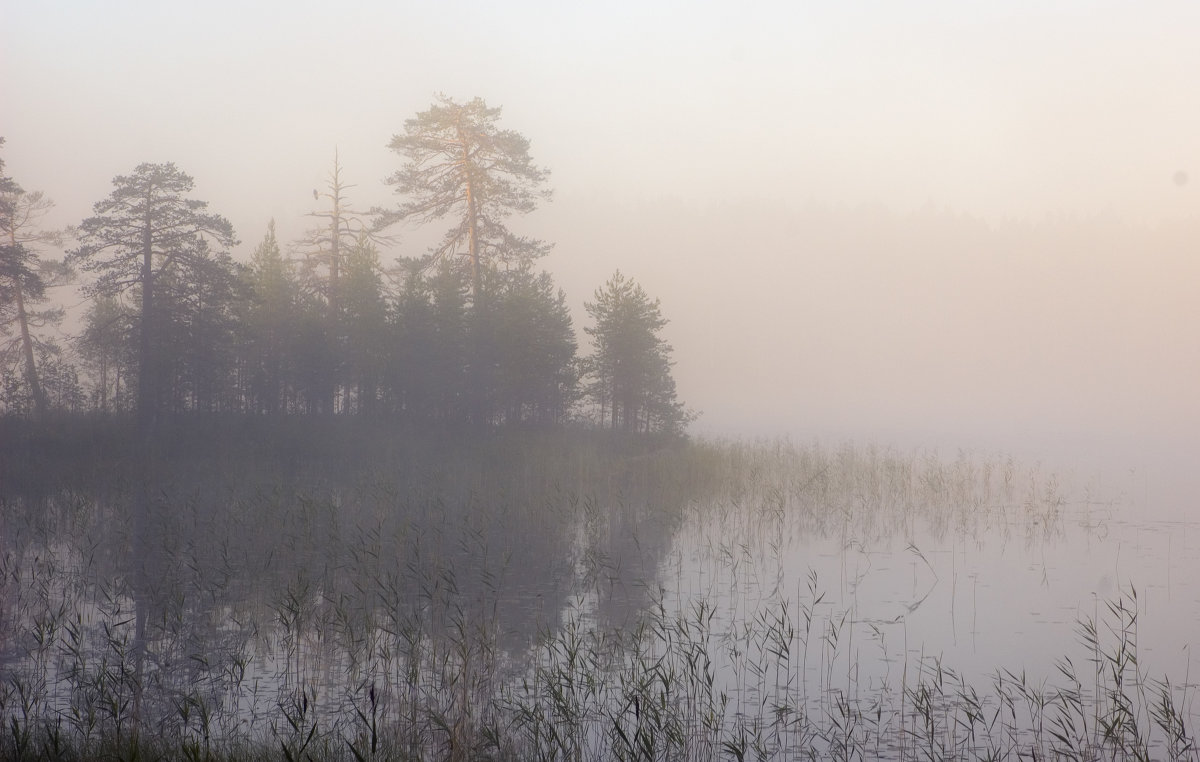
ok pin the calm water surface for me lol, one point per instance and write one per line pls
(820, 574)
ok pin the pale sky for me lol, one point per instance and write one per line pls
(973, 221)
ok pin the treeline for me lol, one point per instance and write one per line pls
(470, 331)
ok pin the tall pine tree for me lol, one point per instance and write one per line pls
(629, 370)
(146, 233)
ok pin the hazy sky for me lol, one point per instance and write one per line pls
(978, 219)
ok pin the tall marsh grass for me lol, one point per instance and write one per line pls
(520, 599)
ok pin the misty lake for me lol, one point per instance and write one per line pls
(520, 599)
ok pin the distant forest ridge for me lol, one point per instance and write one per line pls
(468, 332)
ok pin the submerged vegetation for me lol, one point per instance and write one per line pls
(523, 595)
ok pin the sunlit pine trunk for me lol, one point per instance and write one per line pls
(103, 401)
(40, 403)
(146, 392)
(477, 407)
(472, 210)
(116, 383)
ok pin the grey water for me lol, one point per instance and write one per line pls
(822, 575)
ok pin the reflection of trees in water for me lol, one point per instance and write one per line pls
(213, 590)
(370, 590)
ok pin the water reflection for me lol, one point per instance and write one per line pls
(759, 596)
(260, 607)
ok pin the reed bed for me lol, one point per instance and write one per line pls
(517, 602)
